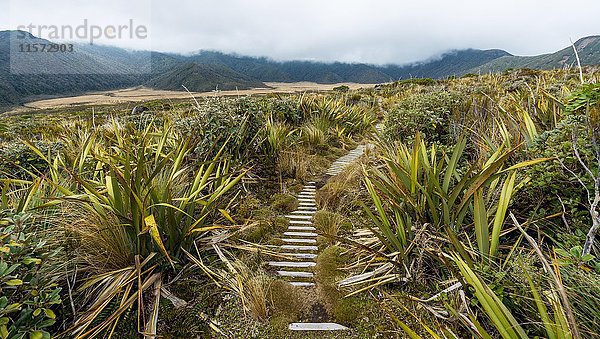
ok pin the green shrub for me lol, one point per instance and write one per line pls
(28, 294)
(549, 180)
(342, 88)
(428, 113)
(144, 206)
(220, 122)
(285, 110)
(314, 135)
(17, 160)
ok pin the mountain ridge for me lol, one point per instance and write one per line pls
(98, 67)
(588, 49)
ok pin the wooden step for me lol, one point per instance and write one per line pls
(316, 327)
(304, 212)
(299, 241)
(300, 222)
(301, 255)
(301, 284)
(302, 228)
(298, 216)
(297, 264)
(295, 274)
(300, 234)
(299, 248)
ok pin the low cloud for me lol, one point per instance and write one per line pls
(377, 32)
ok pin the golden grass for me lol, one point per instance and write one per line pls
(139, 94)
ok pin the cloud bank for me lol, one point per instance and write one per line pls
(378, 32)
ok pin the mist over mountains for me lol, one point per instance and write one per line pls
(95, 67)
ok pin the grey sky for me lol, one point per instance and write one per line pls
(373, 31)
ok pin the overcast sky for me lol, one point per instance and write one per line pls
(373, 31)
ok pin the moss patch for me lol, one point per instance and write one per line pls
(266, 224)
(286, 301)
(246, 206)
(283, 203)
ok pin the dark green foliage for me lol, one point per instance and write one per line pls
(17, 161)
(284, 109)
(448, 64)
(584, 98)
(428, 113)
(185, 322)
(28, 294)
(220, 122)
(342, 88)
(552, 181)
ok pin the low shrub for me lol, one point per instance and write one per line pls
(29, 296)
(428, 113)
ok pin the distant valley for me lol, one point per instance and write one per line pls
(105, 68)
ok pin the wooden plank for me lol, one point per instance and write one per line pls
(316, 327)
(301, 228)
(299, 248)
(298, 264)
(301, 284)
(299, 241)
(304, 212)
(299, 216)
(301, 255)
(300, 234)
(295, 274)
(300, 222)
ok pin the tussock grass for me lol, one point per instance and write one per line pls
(329, 224)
